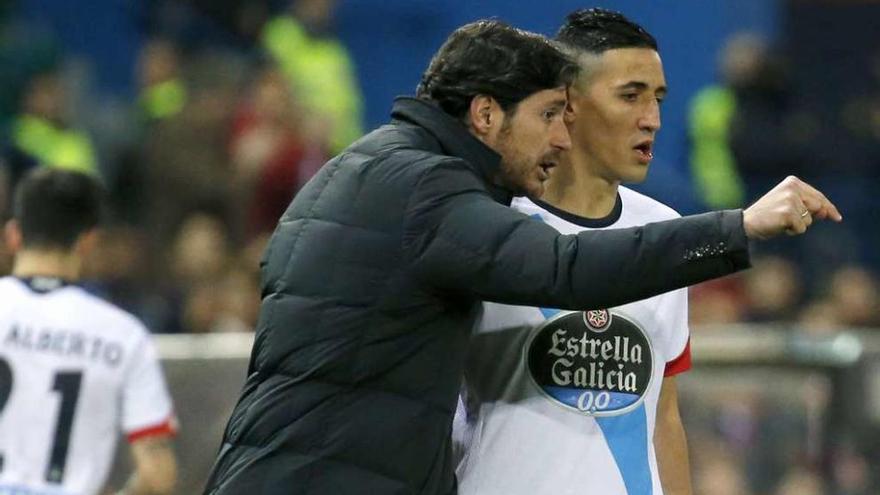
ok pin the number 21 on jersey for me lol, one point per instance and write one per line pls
(67, 385)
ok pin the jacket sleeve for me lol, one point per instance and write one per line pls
(458, 239)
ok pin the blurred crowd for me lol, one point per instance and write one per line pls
(774, 291)
(202, 161)
(750, 129)
(757, 124)
(776, 430)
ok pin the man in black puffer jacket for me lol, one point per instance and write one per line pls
(373, 278)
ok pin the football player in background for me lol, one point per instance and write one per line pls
(74, 369)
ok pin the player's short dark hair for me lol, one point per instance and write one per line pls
(491, 58)
(54, 207)
(598, 30)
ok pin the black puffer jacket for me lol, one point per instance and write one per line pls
(371, 286)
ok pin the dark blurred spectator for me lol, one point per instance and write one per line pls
(318, 67)
(717, 302)
(274, 153)
(239, 301)
(201, 251)
(185, 159)
(854, 295)
(819, 318)
(720, 477)
(857, 179)
(200, 307)
(851, 472)
(161, 94)
(711, 115)
(252, 253)
(715, 470)
(229, 304)
(25, 50)
(41, 134)
(768, 134)
(162, 90)
(843, 92)
(773, 290)
(218, 290)
(242, 287)
(851, 299)
(186, 294)
(781, 438)
(861, 114)
(115, 267)
(801, 481)
(745, 133)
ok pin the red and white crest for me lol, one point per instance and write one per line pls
(597, 319)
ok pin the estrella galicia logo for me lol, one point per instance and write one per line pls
(595, 362)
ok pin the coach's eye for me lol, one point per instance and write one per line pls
(630, 97)
(549, 115)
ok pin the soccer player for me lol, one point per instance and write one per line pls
(74, 370)
(586, 401)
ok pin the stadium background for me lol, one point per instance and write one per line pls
(784, 397)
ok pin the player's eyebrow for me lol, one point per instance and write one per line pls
(642, 86)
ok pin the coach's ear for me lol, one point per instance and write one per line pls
(12, 233)
(484, 118)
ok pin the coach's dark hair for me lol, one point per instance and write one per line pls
(492, 58)
(598, 30)
(53, 207)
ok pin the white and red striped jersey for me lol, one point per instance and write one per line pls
(75, 371)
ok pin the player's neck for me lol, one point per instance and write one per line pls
(576, 188)
(46, 263)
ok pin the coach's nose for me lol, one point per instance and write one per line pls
(559, 136)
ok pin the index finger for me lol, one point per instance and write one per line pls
(818, 205)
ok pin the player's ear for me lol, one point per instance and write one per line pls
(12, 233)
(86, 242)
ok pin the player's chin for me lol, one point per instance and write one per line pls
(636, 173)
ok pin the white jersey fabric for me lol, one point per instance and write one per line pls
(561, 402)
(74, 372)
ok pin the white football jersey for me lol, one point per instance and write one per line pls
(74, 372)
(564, 402)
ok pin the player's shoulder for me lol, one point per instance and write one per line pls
(10, 286)
(107, 314)
(645, 207)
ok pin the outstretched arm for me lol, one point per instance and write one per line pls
(458, 239)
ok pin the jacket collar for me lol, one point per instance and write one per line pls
(454, 139)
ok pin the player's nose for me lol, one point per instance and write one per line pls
(650, 120)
